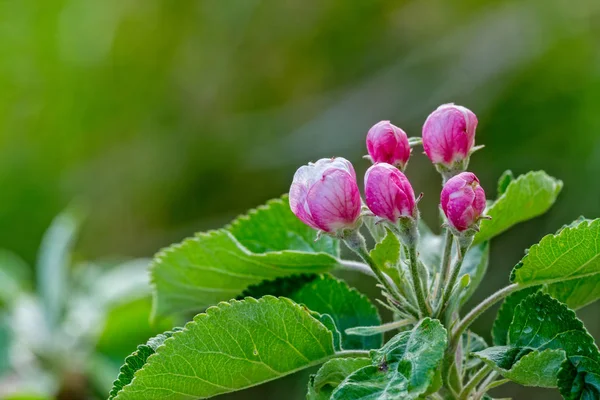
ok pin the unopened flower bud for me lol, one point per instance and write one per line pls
(387, 143)
(463, 201)
(325, 196)
(388, 193)
(449, 136)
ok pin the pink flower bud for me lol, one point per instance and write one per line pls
(449, 134)
(325, 196)
(388, 192)
(388, 144)
(463, 201)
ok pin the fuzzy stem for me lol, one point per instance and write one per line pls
(446, 257)
(472, 384)
(416, 280)
(481, 308)
(452, 278)
(351, 354)
(356, 242)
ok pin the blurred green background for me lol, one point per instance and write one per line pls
(160, 118)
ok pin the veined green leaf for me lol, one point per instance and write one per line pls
(506, 313)
(347, 307)
(526, 197)
(332, 373)
(232, 346)
(568, 263)
(542, 333)
(386, 255)
(136, 361)
(404, 368)
(325, 294)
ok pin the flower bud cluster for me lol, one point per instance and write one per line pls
(325, 194)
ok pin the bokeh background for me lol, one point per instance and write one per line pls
(148, 120)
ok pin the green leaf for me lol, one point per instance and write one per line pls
(136, 361)
(505, 179)
(327, 295)
(5, 344)
(404, 368)
(347, 307)
(332, 373)
(542, 332)
(526, 197)
(232, 346)
(273, 227)
(53, 263)
(506, 314)
(579, 378)
(568, 263)
(214, 266)
(386, 255)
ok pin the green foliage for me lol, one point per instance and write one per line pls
(542, 333)
(347, 307)
(403, 368)
(331, 374)
(230, 347)
(14, 276)
(506, 314)
(386, 255)
(216, 266)
(568, 263)
(136, 361)
(505, 179)
(526, 197)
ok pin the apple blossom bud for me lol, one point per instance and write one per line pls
(463, 201)
(388, 144)
(449, 136)
(388, 193)
(325, 196)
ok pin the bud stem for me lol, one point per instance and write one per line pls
(416, 280)
(452, 276)
(356, 242)
(446, 259)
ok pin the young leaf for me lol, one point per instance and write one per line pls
(386, 255)
(331, 374)
(526, 197)
(543, 331)
(505, 179)
(404, 368)
(580, 380)
(472, 343)
(232, 346)
(136, 361)
(568, 263)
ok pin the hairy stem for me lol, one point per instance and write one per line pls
(475, 380)
(356, 242)
(351, 354)
(446, 257)
(481, 308)
(416, 280)
(451, 279)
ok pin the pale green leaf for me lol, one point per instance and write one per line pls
(331, 374)
(404, 368)
(526, 197)
(568, 263)
(232, 346)
(53, 263)
(541, 333)
(386, 255)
